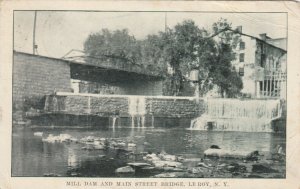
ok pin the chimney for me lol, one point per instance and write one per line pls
(264, 37)
(239, 29)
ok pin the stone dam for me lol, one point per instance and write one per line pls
(248, 115)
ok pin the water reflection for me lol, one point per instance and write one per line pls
(33, 157)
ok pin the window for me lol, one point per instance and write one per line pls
(242, 57)
(241, 71)
(242, 45)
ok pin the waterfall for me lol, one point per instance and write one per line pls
(238, 115)
(46, 107)
(137, 109)
(152, 121)
(55, 103)
(89, 105)
(143, 121)
(114, 119)
(132, 121)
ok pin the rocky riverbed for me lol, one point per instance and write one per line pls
(121, 158)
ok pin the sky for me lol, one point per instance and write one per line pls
(57, 32)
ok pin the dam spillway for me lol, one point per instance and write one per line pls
(250, 115)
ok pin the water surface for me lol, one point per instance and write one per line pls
(33, 157)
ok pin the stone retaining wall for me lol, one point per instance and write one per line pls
(119, 105)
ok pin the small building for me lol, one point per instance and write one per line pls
(261, 62)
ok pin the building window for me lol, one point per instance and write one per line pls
(242, 45)
(263, 59)
(242, 57)
(241, 71)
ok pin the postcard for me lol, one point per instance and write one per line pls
(152, 94)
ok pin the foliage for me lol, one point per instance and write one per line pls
(182, 48)
(116, 44)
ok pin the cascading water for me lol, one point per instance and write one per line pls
(137, 109)
(114, 119)
(238, 115)
(46, 107)
(55, 103)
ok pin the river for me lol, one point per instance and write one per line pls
(31, 156)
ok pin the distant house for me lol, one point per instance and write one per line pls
(261, 62)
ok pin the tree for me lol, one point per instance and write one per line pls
(182, 48)
(106, 44)
(187, 47)
(221, 70)
(176, 50)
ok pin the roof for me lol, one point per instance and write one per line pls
(266, 42)
(258, 39)
(278, 42)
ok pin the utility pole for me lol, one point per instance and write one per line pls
(34, 46)
(166, 26)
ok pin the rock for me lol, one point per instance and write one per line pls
(102, 139)
(169, 175)
(39, 134)
(121, 144)
(148, 168)
(166, 164)
(74, 140)
(226, 153)
(98, 147)
(201, 164)
(126, 169)
(136, 164)
(139, 137)
(180, 158)
(279, 150)
(167, 157)
(51, 175)
(222, 165)
(197, 170)
(51, 139)
(89, 147)
(261, 168)
(113, 144)
(151, 157)
(88, 139)
(214, 147)
(276, 157)
(234, 167)
(192, 159)
(73, 174)
(253, 156)
(131, 145)
(173, 169)
(60, 138)
(64, 137)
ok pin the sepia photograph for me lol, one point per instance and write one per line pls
(149, 94)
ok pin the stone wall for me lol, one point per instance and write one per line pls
(36, 76)
(181, 107)
(119, 105)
